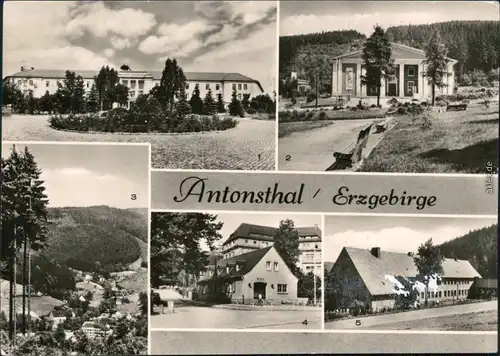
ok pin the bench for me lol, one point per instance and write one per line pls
(457, 106)
(352, 153)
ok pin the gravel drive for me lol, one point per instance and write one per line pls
(249, 146)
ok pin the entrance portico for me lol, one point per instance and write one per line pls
(408, 81)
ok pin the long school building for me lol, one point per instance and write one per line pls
(41, 81)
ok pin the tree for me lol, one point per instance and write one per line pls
(31, 102)
(175, 238)
(59, 335)
(172, 80)
(92, 99)
(183, 107)
(70, 94)
(437, 63)
(235, 108)
(143, 303)
(286, 242)
(105, 82)
(121, 330)
(263, 104)
(196, 102)
(125, 67)
(245, 102)
(377, 59)
(305, 286)
(47, 102)
(121, 94)
(220, 104)
(209, 105)
(11, 95)
(24, 212)
(316, 68)
(428, 261)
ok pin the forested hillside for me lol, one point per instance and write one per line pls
(81, 236)
(475, 44)
(479, 247)
(332, 43)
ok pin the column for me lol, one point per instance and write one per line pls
(335, 83)
(421, 81)
(425, 86)
(401, 80)
(363, 87)
(358, 80)
(339, 77)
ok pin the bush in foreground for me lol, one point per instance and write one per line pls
(122, 120)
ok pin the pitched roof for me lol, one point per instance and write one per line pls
(399, 51)
(373, 270)
(266, 233)
(156, 74)
(246, 261)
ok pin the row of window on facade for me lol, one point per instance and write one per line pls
(309, 257)
(446, 293)
(272, 266)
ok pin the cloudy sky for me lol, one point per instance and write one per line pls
(299, 17)
(398, 234)
(203, 36)
(86, 175)
(232, 221)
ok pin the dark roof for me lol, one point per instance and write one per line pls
(156, 74)
(266, 233)
(399, 51)
(246, 261)
(328, 266)
(373, 270)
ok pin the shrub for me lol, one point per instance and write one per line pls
(310, 115)
(393, 101)
(322, 115)
(310, 97)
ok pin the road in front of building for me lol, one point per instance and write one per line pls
(215, 318)
(371, 321)
(312, 150)
(233, 343)
(249, 146)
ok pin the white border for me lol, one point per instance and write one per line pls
(148, 286)
(277, 88)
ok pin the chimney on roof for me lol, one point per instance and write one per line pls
(376, 252)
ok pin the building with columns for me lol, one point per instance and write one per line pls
(140, 82)
(408, 82)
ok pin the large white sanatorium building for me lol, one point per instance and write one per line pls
(408, 82)
(140, 82)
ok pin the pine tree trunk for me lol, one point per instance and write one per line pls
(24, 284)
(433, 93)
(317, 91)
(11, 298)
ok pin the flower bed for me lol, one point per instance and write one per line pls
(122, 120)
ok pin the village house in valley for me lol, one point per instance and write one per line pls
(365, 275)
(246, 276)
(140, 82)
(408, 82)
(250, 237)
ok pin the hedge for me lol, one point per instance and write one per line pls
(344, 114)
(122, 120)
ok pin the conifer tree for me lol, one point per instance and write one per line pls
(235, 108)
(196, 102)
(437, 63)
(92, 100)
(220, 104)
(377, 59)
(209, 105)
(183, 106)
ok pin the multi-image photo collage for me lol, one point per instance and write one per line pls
(249, 177)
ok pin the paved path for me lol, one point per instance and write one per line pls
(250, 146)
(233, 343)
(206, 317)
(313, 150)
(411, 315)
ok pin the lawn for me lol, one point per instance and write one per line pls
(287, 128)
(480, 321)
(458, 142)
